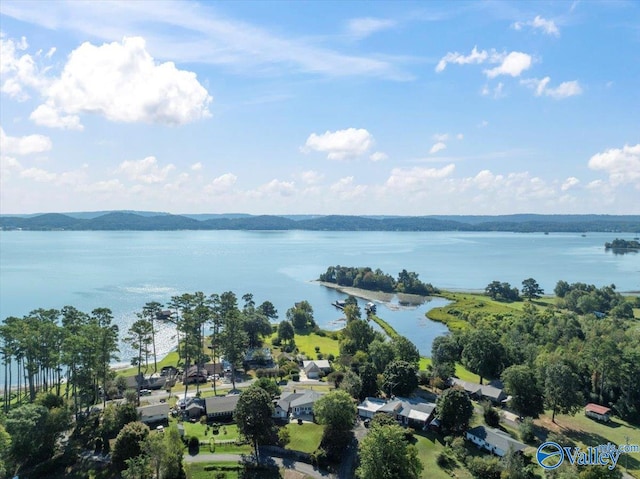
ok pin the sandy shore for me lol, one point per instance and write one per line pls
(389, 299)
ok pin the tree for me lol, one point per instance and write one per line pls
(335, 409)
(531, 289)
(562, 389)
(285, 331)
(127, 443)
(405, 350)
(381, 353)
(138, 467)
(352, 384)
(269, 310)
(385, 454)
(360, 334)
(151, 311)
(352, 312)
(526, 396)
(233, 342)
(155, 449)
(106, 340)
(174, 449)
(301, 316)
(454, 410)
(139, 338)
(482, 353)
(253, 415)
(5, 447)
(369, 378)
(268, 385)
(400, 377)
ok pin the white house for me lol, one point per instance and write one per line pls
(410, 411)
(313, 368)
(494, 440)
(154, 413)
(369, 407)
(296, 403)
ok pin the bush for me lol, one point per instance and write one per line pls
(491, 417)
(317, 348)
(445, 459)
(331, 357)
(276, 341)
(459, 449)
(526, 430)
(194, 442)
(295, 377)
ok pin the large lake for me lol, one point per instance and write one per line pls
(124, 270)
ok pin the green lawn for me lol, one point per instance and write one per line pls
(307, 343)
(429, 445)
(170, 359)
(305, 437)
(588, 432)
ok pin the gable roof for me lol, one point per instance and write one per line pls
(497, 438)
(221, 404)
(289, 400)
(320, 363)
(153, 410)
(411, 408)
(371, 404)
(592, 407)
(485, 390)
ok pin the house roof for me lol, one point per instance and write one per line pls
(496, 438)
(485, 390)
(321, 363)
(371, 404)
(289, 400)
(591, 407)
(406, 406)
(221, 404)
(153, 410)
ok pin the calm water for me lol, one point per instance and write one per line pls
(124, 270)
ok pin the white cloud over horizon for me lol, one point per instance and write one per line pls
(621, 164)
(340, 144)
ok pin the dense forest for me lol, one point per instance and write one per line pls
(366, 278)
(163, 222)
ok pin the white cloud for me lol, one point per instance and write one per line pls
(483, 124)
(417, 177)
(546, 26)
(564, 90)
(122, 82)
(222, 184)
(459, 136)
(146, 170)
(46, 115)
(441, 136)
(512, 64)
(39, 175)
(341, 144)
(363, 27)
(23, 145)
(454, 57)
(17, 70)
(196, 166)
(8, 165)
(437, 147)
(378, 156)
(311, 177)
(621, 164)
(569, 183)
(277, 187)
(345, 189)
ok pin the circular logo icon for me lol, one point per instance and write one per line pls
(550, 455)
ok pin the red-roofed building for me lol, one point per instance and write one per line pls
(595, 411)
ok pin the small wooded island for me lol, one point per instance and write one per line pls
(621, 246)
(366, 278)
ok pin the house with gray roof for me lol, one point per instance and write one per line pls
(313, 368)
(481, 391)
(369, 407)
(155, 413)
(296, 403)
(410, 411)
(221, 407)
(494, 440)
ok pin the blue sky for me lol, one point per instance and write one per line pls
(408, 108)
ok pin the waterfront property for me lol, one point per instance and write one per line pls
(369, 407)
(410, 411)
(485, 392)
(296, 404)
(221, 408)
(156, 413)
(494, 440)
(313, 369)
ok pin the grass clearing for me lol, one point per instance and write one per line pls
(588, 432)
(305, 437)
(429, 446)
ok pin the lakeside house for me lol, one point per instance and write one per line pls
(595, 411)
(481, 391)
(296, 404)
(155, 413)
(195, 375)
(494, 440)
(406, 411)
(313, 369)
(221, 408)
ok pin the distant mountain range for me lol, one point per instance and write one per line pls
(150, 221)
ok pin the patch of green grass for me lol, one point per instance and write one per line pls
(386, 327)
(466, 375)
(206, 470)
(198, 430)
(429, 445)
(170, 359)
(307, 342)
(588, 432)
(305, 437)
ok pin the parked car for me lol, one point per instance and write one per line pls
(145, 392)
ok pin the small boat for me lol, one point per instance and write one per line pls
(370, 308)
(339, 304)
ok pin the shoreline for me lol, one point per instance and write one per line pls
(377, 296)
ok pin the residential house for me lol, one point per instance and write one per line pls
(595, 411)
(155, 413)
(369, 407)
(313, 369)
(195, 408)
(494, 440)
(221, 408)
(258, 358)
(481, 391)
(195, 375)
(413, 412)
(296, 403)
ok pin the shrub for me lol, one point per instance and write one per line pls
(317, 348)
(526, 430)
(276, 341)
(319, 356)
(331, 357)
(295, 377)
(194, 442)
(491, 417)
(445, 460)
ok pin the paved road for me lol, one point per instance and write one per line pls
(302, 467)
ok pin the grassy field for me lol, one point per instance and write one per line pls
(429, 445)
(305, 437)
(307, 343)
(587, 432)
